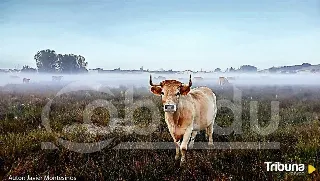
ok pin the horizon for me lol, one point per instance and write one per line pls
(168, 35)
(159, 69)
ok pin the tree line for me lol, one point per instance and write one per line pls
(243, 68)
(48, 61)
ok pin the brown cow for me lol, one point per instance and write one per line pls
(25, 80)
(187, 111)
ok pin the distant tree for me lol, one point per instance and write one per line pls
(232, 69)
(273, 70)
(67, 63)
(70, 63)
(28, 69)
(46, 60)
(49, 61)
(217, 70)
(82, 64)
(294, 68)
(248, 68)
(306, 65)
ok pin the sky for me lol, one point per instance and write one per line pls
(179, 35)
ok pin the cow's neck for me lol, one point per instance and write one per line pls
(172, 118)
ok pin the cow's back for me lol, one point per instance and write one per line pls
(205, 106)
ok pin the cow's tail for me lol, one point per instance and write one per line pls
(215, 109)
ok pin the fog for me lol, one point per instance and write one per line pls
(142, 79)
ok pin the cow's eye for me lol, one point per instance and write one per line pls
(178, 93)
(162, 93)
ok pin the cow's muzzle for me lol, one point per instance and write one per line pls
(169, 108)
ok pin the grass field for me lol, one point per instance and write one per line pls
(21, 135)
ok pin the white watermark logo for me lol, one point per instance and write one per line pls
(288, 167)
(130, 105)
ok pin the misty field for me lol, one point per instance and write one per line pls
(21, 134)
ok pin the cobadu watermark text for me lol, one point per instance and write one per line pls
(113, 112)
(130, 105)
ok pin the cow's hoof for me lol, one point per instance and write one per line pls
(177, 157)
(210, 144)
(182, 163)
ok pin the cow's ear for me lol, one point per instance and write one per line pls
(184, 90)
(156, 90)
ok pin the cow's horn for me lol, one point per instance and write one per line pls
(150, 81)
(190, 81)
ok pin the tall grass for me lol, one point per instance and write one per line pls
(21, 133)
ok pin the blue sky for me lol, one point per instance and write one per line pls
(162, 34)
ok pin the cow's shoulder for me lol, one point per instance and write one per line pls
(201, 90)
(200, 94)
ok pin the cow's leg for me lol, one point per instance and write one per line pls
(209, 132)
(193, 137)
(184, 144)
(177, 144)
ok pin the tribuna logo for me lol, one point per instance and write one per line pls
(277, 166)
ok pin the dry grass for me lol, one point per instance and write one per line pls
(21, 153)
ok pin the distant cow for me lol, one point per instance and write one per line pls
(56, 78)
(25, 80)
(198, 78)
(223, 81)
(187, 111)
(231, 78)
(160, 77)
(14, 76)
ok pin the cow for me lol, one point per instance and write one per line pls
(198, 78)
(14, 76)
(25, 80)
(160, 77)
(223, 81)
(231, 78)
(186, 112)
(56, 78)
